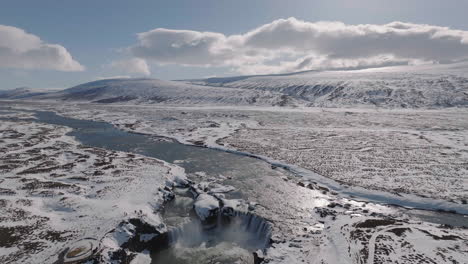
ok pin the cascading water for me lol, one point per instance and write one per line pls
(244, 229)
(231, 236)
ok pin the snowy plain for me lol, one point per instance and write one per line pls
(416, 151)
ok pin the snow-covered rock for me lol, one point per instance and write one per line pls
(231, 206)
(206, 206)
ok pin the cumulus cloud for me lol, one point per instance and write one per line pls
(21, 50)
(131, 66)
(292, 45)
(181, 47)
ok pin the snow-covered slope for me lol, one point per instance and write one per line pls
(427, 86)
(403, 86)
(21, 92)
(166, 92)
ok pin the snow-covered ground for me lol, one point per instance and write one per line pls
(54, 190)
(419, 152)
(422, 152)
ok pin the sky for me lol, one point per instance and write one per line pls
(58, 44)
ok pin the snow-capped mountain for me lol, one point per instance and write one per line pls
(402, 86)
(165, 92)
(427, 86)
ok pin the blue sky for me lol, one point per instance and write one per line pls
(98, 34)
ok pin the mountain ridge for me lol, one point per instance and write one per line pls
(425, 86)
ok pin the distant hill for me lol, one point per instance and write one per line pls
(400, 86)
(20, 93)
(150, 91)
(429, 86)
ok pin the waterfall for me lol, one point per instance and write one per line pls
(247, 230)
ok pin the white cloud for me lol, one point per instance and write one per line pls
(181, 47)
(131, 66)
(22, 50)
(293, 45)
